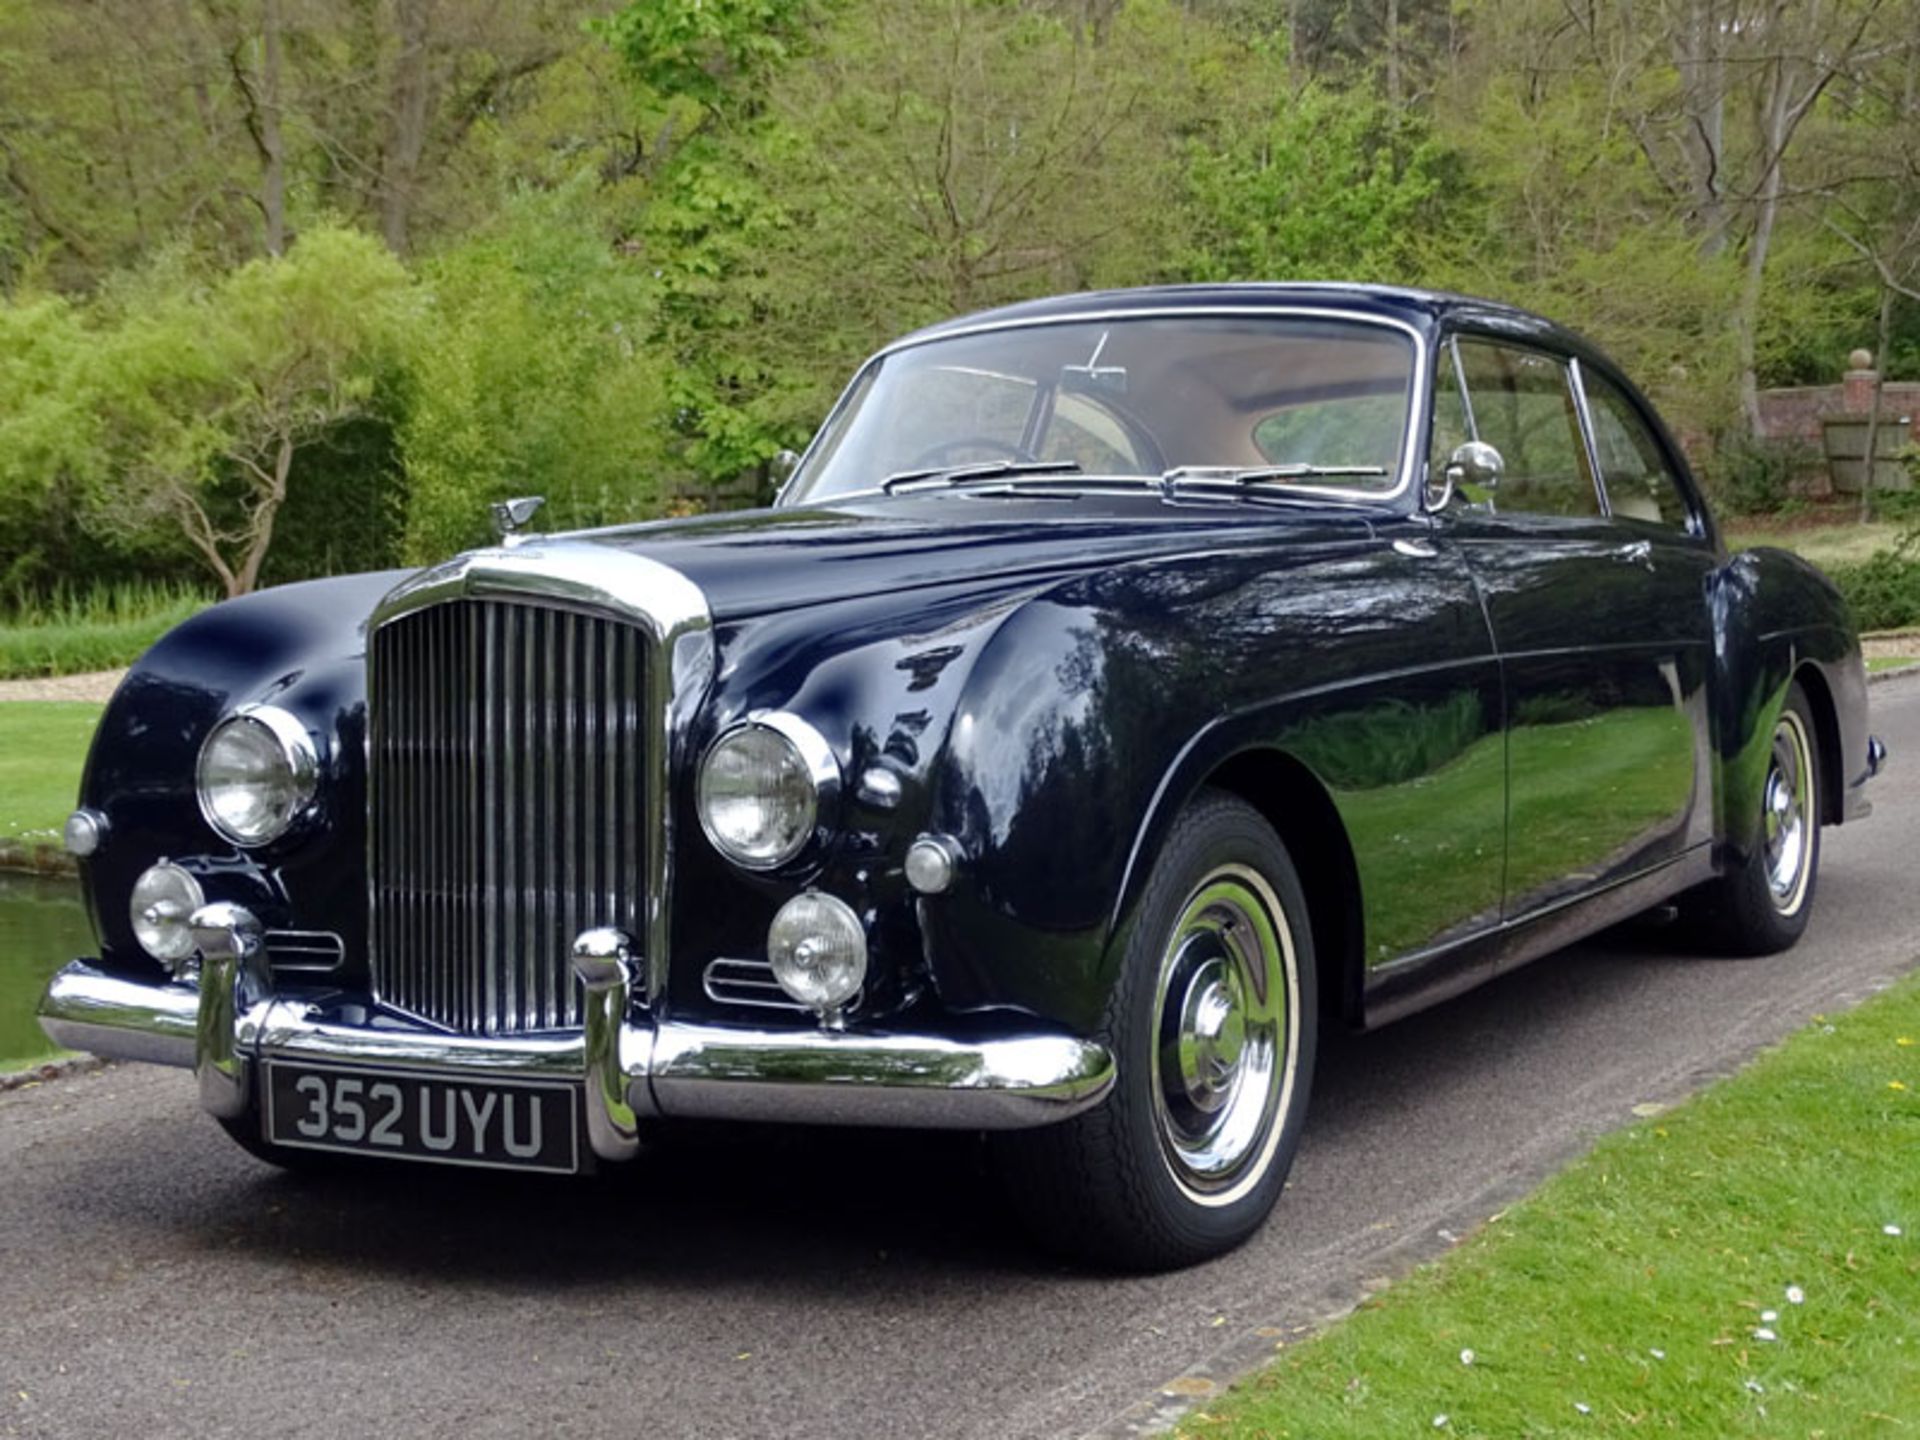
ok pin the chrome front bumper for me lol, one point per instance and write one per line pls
(227, 1023)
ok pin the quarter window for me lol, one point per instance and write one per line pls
(1640, 483)
(1450, 426)
(1522, 405)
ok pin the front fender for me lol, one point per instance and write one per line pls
(300, 647)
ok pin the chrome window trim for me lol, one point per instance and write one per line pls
(1577, 376)
(1416, 392)
(297, 748)
(823, 769)
(654, 597)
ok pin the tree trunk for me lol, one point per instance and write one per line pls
(1393, 53)
(260, 532)
(273, 177)
(1873, 416)
(408, 104)
(1700, 56)
(1777, 122)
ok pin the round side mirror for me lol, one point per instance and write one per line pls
(1475, 466)
(782, 466)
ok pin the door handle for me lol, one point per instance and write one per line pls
(1415, 549)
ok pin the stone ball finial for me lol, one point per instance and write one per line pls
(1860, 360)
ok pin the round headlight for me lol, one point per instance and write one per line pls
(163, 901)
(256, 774)
(762, 787)
(818, 950)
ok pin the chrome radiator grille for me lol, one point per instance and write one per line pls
(506, 796)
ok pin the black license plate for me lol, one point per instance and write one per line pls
(500, 1124)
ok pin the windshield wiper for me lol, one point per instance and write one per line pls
(1264, 474)
(941, 475)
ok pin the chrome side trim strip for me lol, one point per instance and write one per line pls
(85, 1008)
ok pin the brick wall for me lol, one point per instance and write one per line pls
(1794, 414)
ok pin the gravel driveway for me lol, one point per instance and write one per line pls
(97, 685)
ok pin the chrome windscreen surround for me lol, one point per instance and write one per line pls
(672, 614)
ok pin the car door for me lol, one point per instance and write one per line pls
(1600, 621)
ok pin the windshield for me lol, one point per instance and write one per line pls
(1130, 397)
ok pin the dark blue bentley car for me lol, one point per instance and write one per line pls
(1122, 687)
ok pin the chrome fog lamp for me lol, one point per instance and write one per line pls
(818, 950)
(762, 788)
(932, 861)
(84, 831)
(256, 774)
(163, 901)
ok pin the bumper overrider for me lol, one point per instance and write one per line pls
(226, 1022)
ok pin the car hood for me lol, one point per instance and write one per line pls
(755, 561)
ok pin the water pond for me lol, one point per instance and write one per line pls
(42, 926)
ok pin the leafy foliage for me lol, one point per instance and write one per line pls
(208, 391)
(1325, 185)
(632, 249)
(532, 376)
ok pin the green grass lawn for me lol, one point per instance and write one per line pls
(1842, 543)
(1747, 1264)
(43, 745)
(99, 629)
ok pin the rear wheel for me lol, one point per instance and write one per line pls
(1761, 907)
(1212, 1024)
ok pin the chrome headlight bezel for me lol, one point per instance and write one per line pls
(812, 760)
(299, 759)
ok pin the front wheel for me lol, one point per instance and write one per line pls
(1761, 907)
(1212, 1023)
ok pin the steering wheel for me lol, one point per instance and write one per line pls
(947, 452)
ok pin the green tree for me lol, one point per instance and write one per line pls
(532, 376)
(50, 442)
(207, 390)
(1326, 185)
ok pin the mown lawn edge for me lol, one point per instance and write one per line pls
(1636, 1283)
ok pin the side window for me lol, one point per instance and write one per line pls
(1640, 484)
(1522, 403)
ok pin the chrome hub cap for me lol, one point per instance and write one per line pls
(1787, 814)
(1224, 1026)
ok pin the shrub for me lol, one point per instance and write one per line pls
(1755, 477)
(1884, 590)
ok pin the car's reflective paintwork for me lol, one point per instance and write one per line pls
(1480, 734)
